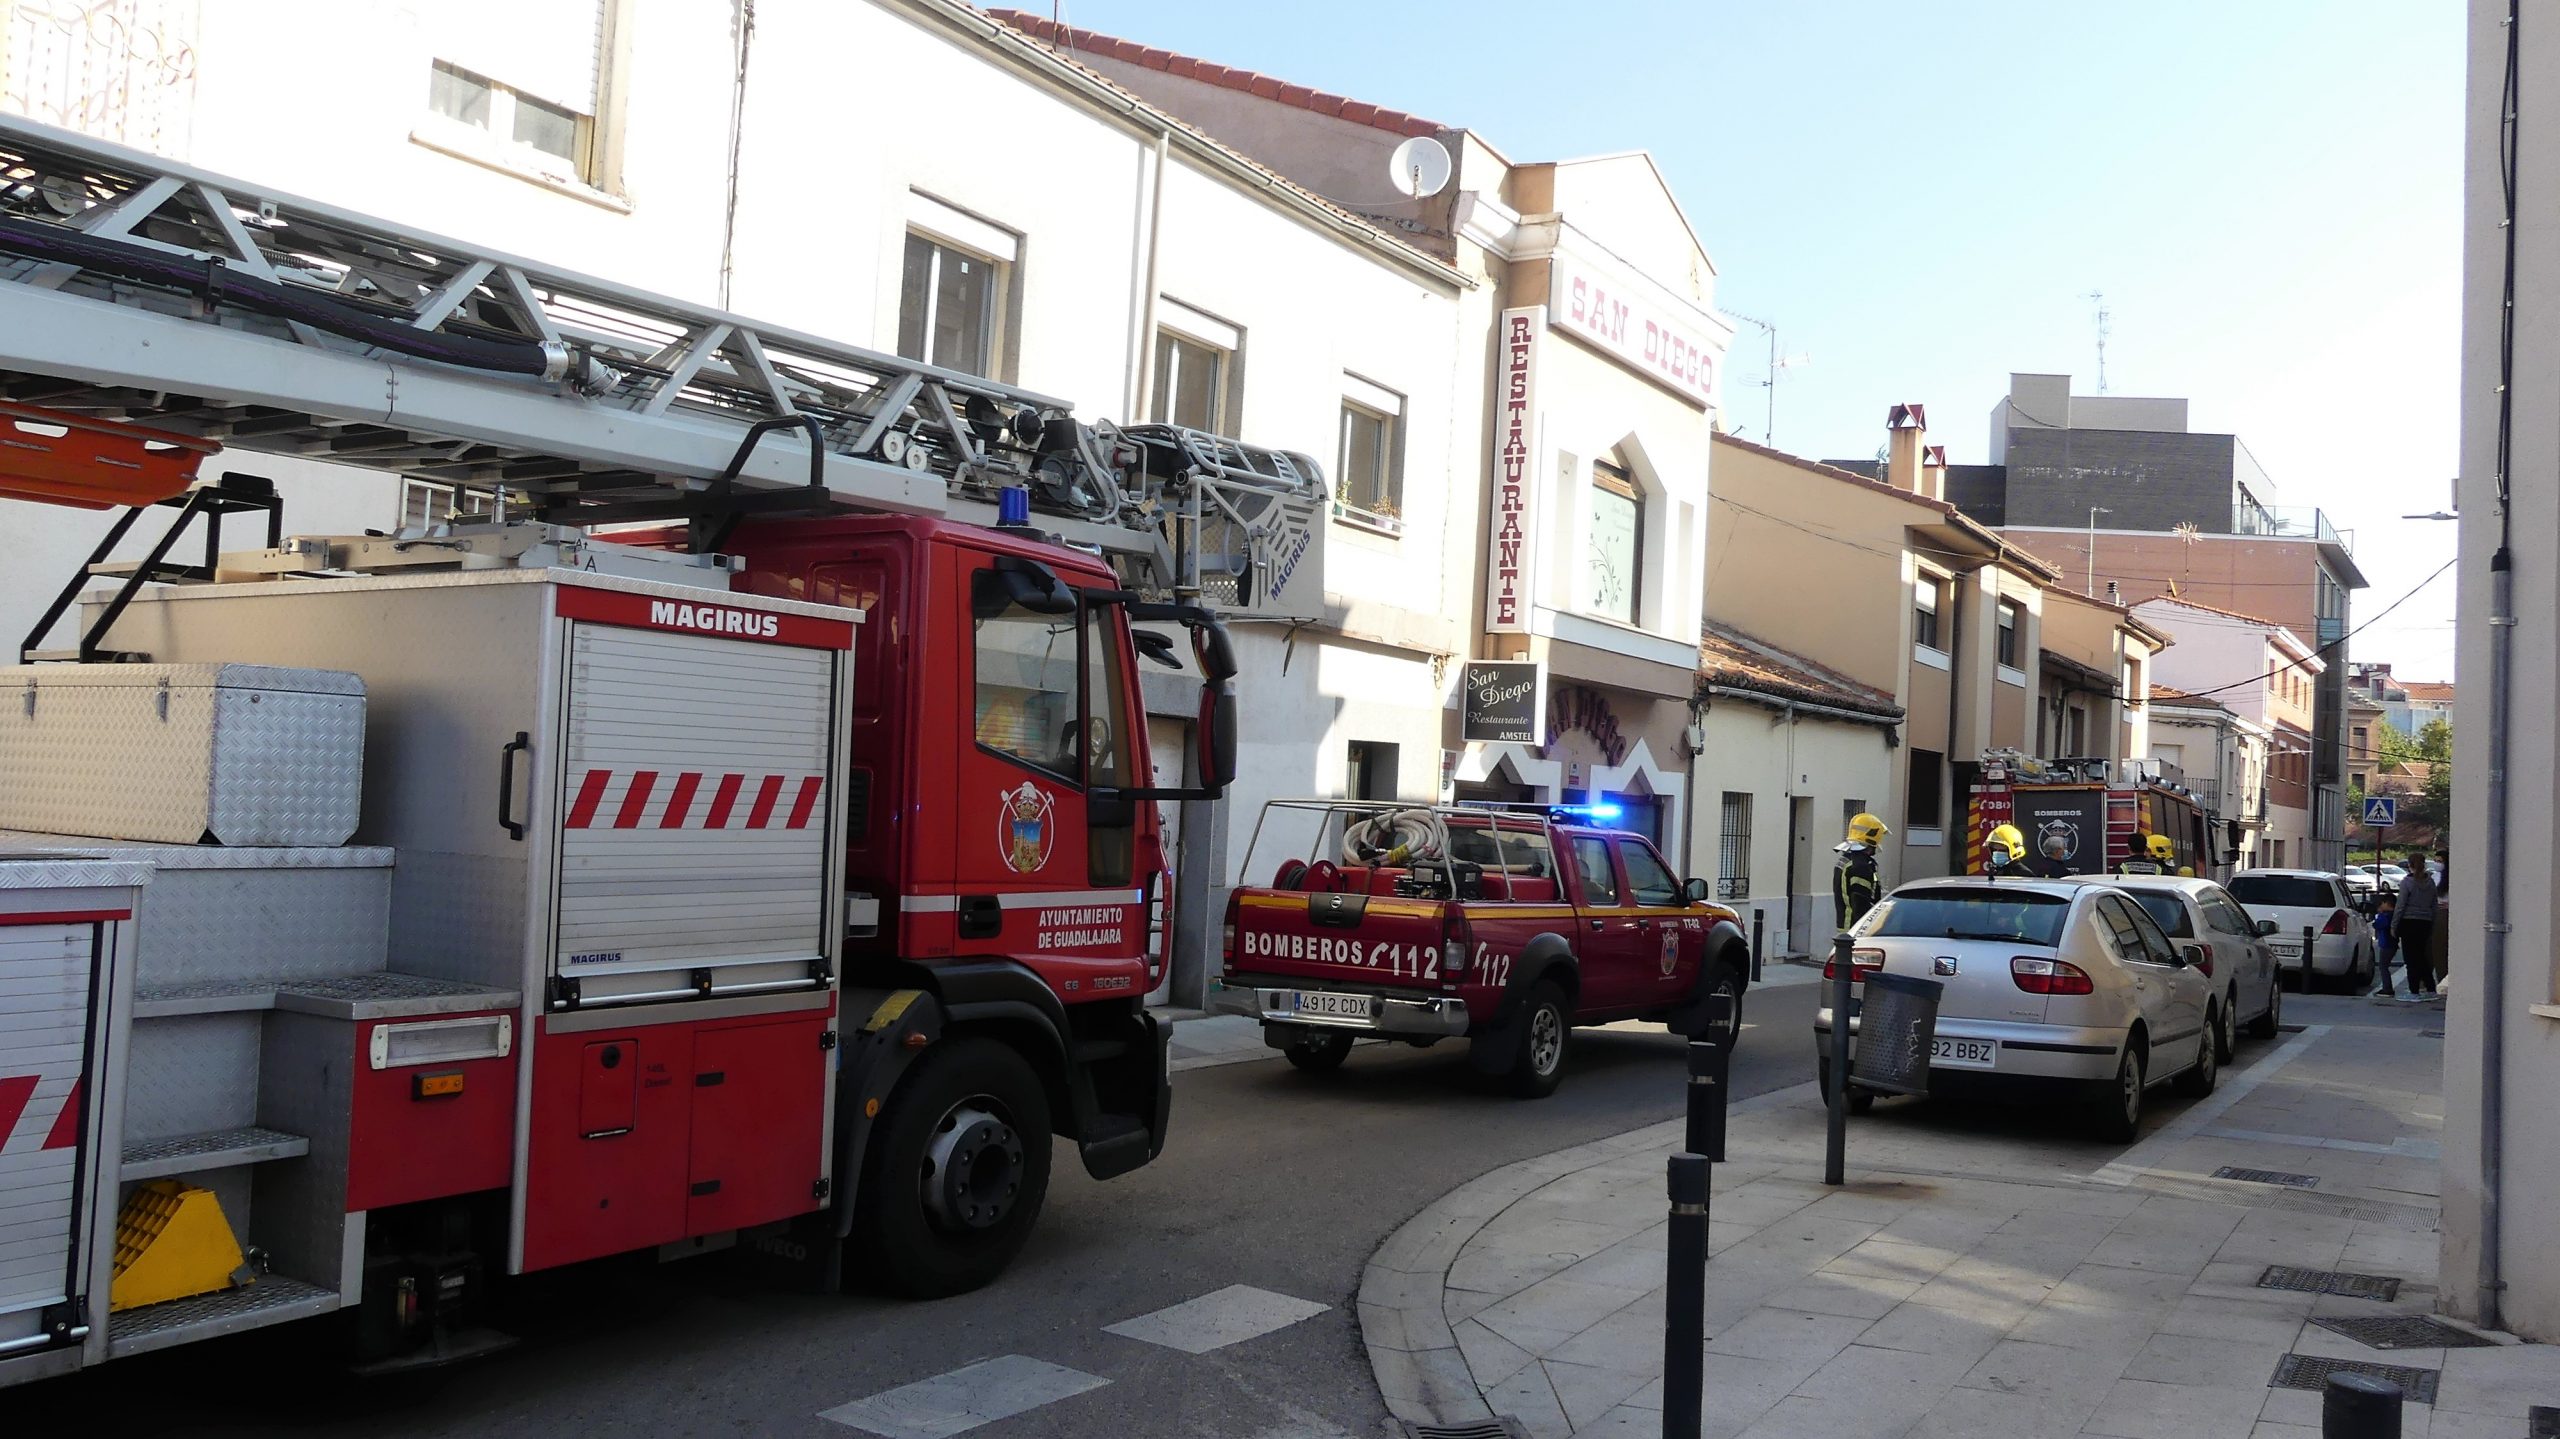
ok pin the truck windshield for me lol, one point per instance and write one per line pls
(2015, 916)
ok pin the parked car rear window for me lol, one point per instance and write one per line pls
(2017, 916)
(2283, 891)
(2166, 908)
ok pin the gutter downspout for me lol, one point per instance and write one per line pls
(1142, 316)
(2502, 629)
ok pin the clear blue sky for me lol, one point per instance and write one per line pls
(1920, 197)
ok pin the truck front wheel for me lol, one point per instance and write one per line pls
(953, 1178)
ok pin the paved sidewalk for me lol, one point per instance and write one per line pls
(1982, 1274)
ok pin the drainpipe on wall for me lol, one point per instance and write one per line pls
(1142, 314)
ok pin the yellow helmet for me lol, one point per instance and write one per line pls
(2162, 849)
(1866, 829)
(2006, 842)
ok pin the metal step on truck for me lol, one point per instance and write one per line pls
(385, 914)
(1505, 926)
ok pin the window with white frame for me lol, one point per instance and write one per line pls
(1368, 485)
(1925, 599)
(1195, 360)
(2009, 626)
(950, 306)
(524, 83)
(1615, 557)
(1733, 848)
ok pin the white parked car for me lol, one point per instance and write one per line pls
(2361, 881)
(2236, 957)
(2047, 980)
(2342, 944)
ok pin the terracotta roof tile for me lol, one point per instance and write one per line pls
(2172, 695)
(1962, 520)
(1733, 659)
(2214, 610)
(2427, 690)
(1094, 42)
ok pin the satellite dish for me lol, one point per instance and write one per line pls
(1419, 168)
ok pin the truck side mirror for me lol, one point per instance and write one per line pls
(1696, 892)
(1214, 736)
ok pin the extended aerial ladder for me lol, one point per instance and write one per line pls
(138, 291)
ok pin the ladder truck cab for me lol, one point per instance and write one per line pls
(2080, 816)
(778, 868)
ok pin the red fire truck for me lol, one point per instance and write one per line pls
(383, 913)
(2079, 815)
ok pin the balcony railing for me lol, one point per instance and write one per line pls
(2285, 522)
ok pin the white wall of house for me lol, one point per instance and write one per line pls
(1778, 757)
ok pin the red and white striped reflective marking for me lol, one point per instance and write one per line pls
(60, 1131)
(654, 799)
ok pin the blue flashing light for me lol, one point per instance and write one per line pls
(1591, 811)
(1013, 505)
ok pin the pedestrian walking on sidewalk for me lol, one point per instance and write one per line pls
(2415, 923)
(2386, 942)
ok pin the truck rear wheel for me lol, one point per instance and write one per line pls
(1537, 1065)
(955, 1174)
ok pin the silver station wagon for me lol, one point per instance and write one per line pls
(2047, 982)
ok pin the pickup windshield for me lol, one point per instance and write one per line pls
(2013, 916)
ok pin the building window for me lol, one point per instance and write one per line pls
(523, 84)
(1189, 384)
(1924, 612)
(2008, 632)
(1733, 848)
(1369, 483)
(1925, 808)
(949, 306)
(1617, 542)
(1850, 809)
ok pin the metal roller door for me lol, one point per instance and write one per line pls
(46, 977)
(694, 803)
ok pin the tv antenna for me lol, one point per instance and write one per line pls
(2099, 298)
(1777, 362)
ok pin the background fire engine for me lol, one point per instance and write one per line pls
(383, 913)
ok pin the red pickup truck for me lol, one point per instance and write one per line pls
(1502, 926)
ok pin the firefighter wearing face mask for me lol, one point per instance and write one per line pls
(2004, 850)
(1855, 884)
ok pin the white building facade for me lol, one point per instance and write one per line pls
(2263, 674)
(1054, 232)
(2222, 757)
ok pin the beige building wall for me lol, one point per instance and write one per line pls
(1795, 768)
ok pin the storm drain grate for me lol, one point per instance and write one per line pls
(2312, 1371)
(2269, 1176)
(2542, 1422)
(2403, 1331)
(1474, 1429)
(2330, 1281)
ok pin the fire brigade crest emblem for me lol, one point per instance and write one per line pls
(1027, 836)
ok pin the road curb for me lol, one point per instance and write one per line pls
(1413, 1352)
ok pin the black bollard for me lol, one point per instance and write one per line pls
(1709, 1065)
(1684, 1331)
(2357, 1406)
(1757, 916)
(1835, 1153)
(2311, 975)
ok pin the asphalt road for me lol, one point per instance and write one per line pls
(1276, 1180)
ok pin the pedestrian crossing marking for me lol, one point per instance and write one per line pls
(1216, 1320)
(963, 1399)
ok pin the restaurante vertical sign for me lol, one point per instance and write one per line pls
(1515, 460)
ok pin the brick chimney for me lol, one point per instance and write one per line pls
(1905, 427)
(1933, 471)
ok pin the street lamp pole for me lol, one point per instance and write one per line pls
(2090, 586)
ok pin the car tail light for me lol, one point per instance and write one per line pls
(2204, 959)
(1862, 962)
(2337, 923)
(1227, 942)
(1454, 946)
(2050, 976)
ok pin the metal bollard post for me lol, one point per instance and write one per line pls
(1684, 1332)
(1835, 1154)
(2359, 1406)
(2309, 974)
(1708, 1069)
(1757, 917)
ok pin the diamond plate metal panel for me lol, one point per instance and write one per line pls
(2268, 1176)
(272, 1300)
(191, 1074)
(241, 754)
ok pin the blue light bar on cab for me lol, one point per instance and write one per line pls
(1589, 811)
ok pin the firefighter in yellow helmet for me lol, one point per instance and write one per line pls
(2149, 854)
(1855, 885)
(2004, 849)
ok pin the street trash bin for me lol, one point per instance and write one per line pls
(1897, 1021)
